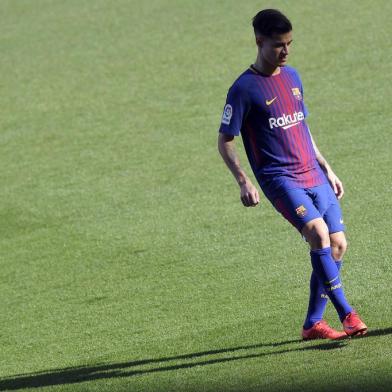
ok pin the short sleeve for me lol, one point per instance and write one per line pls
(297, 77)
(234, 111)
(305, 109)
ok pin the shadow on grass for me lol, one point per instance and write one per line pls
(72, 375)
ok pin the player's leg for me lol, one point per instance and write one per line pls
(316, 218)
(338, 245)
(328, 206)
(352, 323)
(318, 300)
(298, 208)
(326, 261)
(317, 234)
(332, 215)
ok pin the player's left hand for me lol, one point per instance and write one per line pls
(336, 184)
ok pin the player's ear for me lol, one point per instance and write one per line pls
(259, 41)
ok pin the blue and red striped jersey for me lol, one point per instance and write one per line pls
(269, 113)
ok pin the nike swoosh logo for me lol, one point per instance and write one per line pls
(290, 125)
(268, 102)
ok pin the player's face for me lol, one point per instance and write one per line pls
(275, 50)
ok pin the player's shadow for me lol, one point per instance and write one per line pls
(72, 375)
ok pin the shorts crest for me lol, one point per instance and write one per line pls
(301, 211)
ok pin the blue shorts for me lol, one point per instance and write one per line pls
(301, 205)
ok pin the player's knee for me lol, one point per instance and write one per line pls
(321, 239)
(339, 247)
(317, 234)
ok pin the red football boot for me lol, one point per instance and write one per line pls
(321, 330)
(353, 325)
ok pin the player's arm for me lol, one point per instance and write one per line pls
(336, 184)
(248, 192)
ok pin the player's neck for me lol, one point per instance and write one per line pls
(265, 68)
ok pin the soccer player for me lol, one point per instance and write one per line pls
(266, 106)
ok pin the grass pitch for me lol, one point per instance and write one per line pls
(127, 260)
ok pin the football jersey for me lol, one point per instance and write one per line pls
(269, 113)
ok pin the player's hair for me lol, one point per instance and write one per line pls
(269, 22)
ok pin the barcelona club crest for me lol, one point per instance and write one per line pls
(301, 211)
(297, 93)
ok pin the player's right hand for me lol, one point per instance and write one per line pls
(249, 195)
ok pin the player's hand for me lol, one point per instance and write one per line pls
(249, 195)
(336, 184)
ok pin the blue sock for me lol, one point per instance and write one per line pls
(318, 300)
(327, 273)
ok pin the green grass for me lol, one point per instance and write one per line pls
(127, 260)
